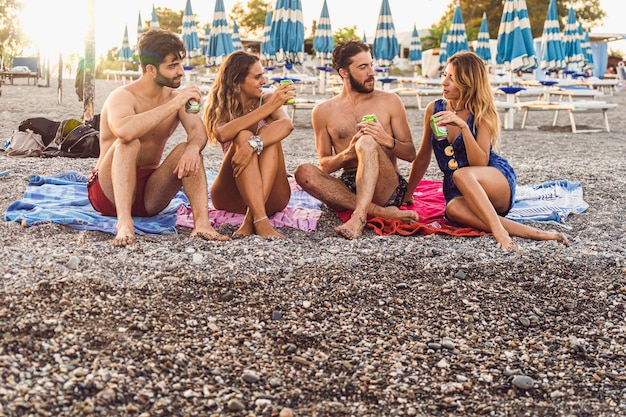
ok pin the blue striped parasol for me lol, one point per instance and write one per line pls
(237, 45)
(457, 37)
(190, 33)
(268, 52)
(287, 31)
(483, 43)
(415, 48)
(385, 47)
(323, 41)
(571, 41)
(154, 23)
(552, 54)
(220, 41)
(139, 30)
(443, 47)
(205, 41)
(515, 40)
(585, 45)
(126, 54)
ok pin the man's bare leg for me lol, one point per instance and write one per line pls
(123, 176)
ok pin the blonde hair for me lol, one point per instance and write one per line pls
(475, 92)
(223, 99)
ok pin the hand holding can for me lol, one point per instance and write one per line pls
(192, 106)
(287, 81)
(439, 130)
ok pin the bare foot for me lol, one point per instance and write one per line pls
(561, 238)
(246, 228)
(209, 234)
(263, 228)
(351, 229)
(405, 216)
(504, 240)
(125, 235)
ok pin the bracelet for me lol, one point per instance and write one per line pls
(256, 143)
(408, 202)
(260, 219)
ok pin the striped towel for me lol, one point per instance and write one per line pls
(302, 212)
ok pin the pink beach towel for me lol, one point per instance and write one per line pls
(302, 212)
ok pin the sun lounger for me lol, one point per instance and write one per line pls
(571, 107)
(302, 104)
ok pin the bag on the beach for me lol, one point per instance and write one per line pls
(23, 144)
(45, 127)
(74, 140)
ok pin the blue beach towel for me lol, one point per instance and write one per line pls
(62, 199)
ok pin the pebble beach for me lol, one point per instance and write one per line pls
(317, 325)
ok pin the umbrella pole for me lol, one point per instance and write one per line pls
(322, 86)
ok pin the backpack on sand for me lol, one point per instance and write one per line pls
(74, 140)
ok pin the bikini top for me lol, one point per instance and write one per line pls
(262, 123)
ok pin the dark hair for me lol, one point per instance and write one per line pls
(345, 50)
(156, 44)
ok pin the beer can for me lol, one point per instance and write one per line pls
(369, 118)
(440, 130)
(287, 81)
(192, 106)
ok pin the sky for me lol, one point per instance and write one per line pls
(48, 24)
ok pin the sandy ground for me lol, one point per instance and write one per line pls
(317, 325)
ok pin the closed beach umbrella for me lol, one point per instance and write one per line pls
(323, 41)
(385, 47)
(515, 40)
(268, 52)
(483, 43)
(287, 31)
(237, 45)
(571, 41)
(139, 30)
(443, 48)
(190, 33)
(205, 41)
(415, 48)
(586, 48)
(126, 54)
(154, 23)
(552, 54)
(220, 41)
(457, 37)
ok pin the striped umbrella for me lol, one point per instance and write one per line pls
(571, 41)
(552, 54)
(287, 31)
(205, 41)
(515, 40)
(385, 47)
(443, 48)
(220, 41)
(154, 23)
(483, 43)
(268, 52)
(585, 45)
(190, 33)
(126, 54)
(323, 41)
(237, 45)
(139, 30)
(415, 48)
(457, 37)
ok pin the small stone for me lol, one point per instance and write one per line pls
(523, 382)
(286, 412)
(277, 315)
(250, 377)
(235, 405)
(434, 346)
(524, 321)
(460, 274)
(448, 344)
(73, 262)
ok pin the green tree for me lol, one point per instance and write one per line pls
(251, 17)
(12, 39)
(170, 19)
(345, 33)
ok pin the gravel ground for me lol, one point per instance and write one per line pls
(317, 325)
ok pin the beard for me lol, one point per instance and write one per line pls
(360, 87)
(163, 81)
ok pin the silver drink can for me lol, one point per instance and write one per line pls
(192, 106)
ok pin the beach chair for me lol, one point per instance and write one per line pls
(571, 107)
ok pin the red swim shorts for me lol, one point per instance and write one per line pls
(102, 204)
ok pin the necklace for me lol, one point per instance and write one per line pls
(455, 111)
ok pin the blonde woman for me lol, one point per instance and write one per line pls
(478, 184)
(250, 126)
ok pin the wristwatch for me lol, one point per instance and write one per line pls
(256, 143)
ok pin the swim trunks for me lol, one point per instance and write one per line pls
(102, 204)
(349, 179)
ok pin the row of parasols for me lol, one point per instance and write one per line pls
(283, 38)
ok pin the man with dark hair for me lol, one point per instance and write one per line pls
(136, 122)
(365, 151)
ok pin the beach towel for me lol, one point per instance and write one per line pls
(302, 212)
(62, 199)
(550, 201)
